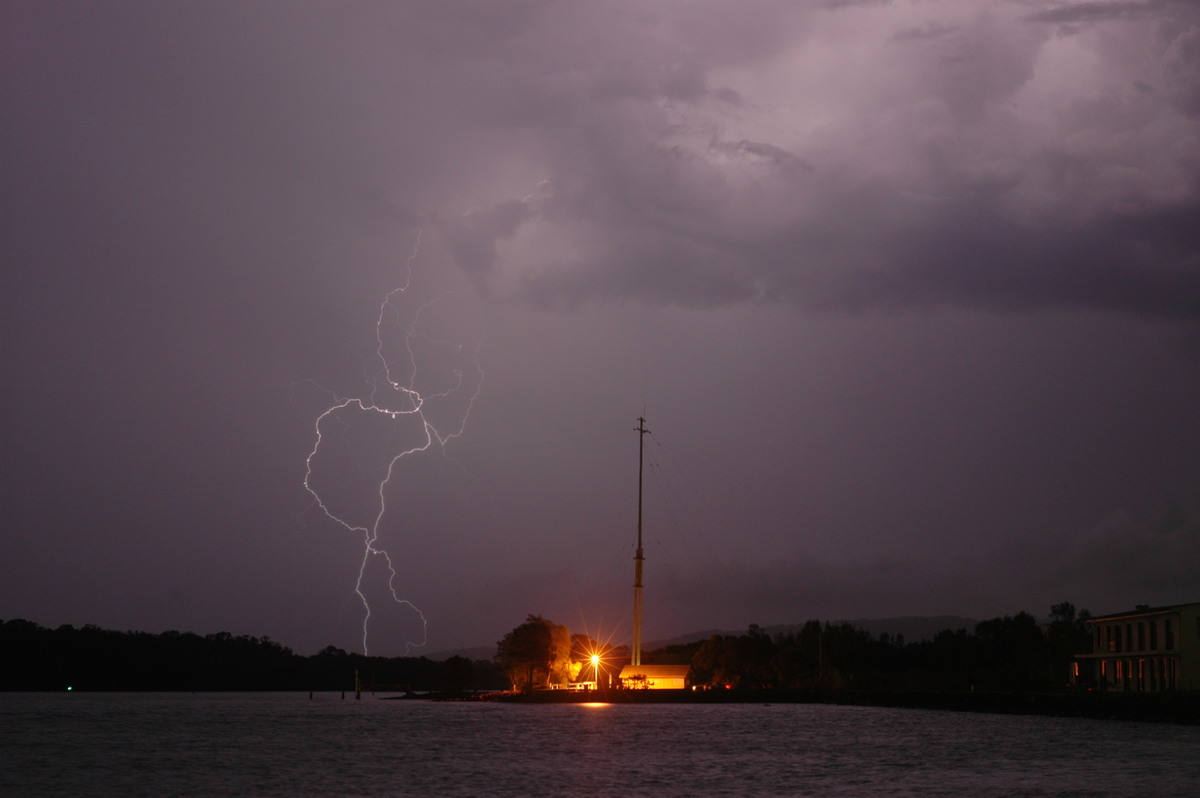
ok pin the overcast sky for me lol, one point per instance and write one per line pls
(908, 293)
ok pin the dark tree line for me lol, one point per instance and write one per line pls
(1003, 654)
(90, 658)
(1012, 653)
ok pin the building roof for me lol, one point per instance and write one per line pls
(1144, 611)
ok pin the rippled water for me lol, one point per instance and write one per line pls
(285, 744)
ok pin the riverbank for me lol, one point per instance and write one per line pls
(1181, 708)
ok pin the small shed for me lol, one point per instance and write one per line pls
(656, 677)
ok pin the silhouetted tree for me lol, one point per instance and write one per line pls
(457, 673)
(715, 662)
(1066, 636)
(745, 660)
(1012, 653)
(536, 652)
(951, 660)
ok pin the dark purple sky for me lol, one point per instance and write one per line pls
(908, 292)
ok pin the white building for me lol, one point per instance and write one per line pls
(1148, 650)
(656, 677)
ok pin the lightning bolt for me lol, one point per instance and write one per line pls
(418, 405)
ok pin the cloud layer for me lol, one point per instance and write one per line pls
(909, 292)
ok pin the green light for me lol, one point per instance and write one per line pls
(70, 688)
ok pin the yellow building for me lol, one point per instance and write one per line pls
(1148, 650)
(656, 677)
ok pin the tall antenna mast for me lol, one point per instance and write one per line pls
(638, 559)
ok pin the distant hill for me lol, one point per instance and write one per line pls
(472, 653)
(914, 629)
(690, 637)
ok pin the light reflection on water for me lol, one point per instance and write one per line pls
(285, 744)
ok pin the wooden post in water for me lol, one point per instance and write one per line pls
(357, 686)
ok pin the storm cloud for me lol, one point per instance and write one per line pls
(908, 292)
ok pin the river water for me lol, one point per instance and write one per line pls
(284, 744)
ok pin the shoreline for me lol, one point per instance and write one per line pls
(1176, 708)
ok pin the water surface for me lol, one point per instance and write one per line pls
(283, 744)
